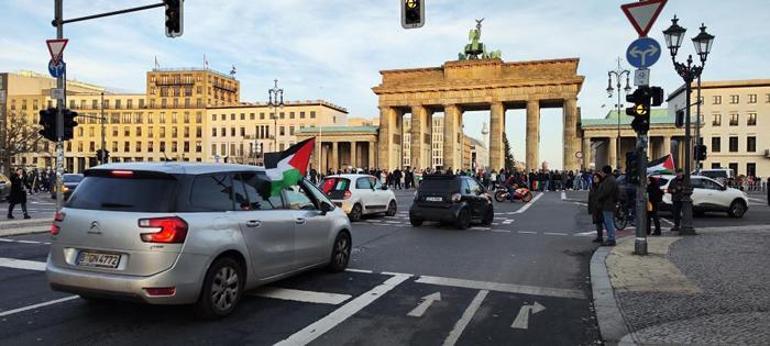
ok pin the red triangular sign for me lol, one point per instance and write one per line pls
(56, 48)
(642, 15)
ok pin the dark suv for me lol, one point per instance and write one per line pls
(452, 199)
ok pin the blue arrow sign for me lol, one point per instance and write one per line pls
(57, 70)
(643, 52)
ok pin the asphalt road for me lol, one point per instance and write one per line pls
(524, 280)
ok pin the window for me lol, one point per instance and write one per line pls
(282, 130)
(213, 117)
(255, 193)
(138, 131)
(751, 144)
(282, 115)
(733, 144)
(752, 98)
(734, 99)
(232, 131)
(717, 100)
(251, 116)
(126, 146)
(312, 114)
(212, 193)
(149, 131)
(297, 199)
(232, 116)
(213, 132)
(223, 132)
(243, 116)
(715, 165)
(302, 115)
(716, 144)
(734, 119)
(751, 169)
(261, 116)
(213, 149)
(752, 119)
(149, 147)
(243, 132)
(364, 184)
(291, 115)
(291, 130)
(716, 120)
(734, 167)
(127, 131)
(767, 99)
(138, 147)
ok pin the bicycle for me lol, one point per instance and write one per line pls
(621, 215)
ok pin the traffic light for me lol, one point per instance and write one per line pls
(69, 124)
(48, 122)
(700, 152)
(656, 95)
(102, 155)
(679, 121)
(412, 13)
(174, 17)
(640, 110)
(632, 167)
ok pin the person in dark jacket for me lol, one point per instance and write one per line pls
(655, 198)
(676, 188)
(18, 194)
(607, 199)
(594, 210)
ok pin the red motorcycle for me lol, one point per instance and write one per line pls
(519, 193)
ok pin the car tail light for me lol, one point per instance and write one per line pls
(456, 197)
(347, 194)
(121, 174)
(57, 217)
(160, 291)
(172, 230)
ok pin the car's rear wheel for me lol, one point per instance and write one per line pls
(340, 253)
(501, 196)
(527, 197)
(392, 209)
(488, 217)
(463, 219)
(355, 213)
(222, 289)
(415, 221)
(737, 209)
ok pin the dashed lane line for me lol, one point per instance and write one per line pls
(553, 233)
(502, 287)
(35, 306)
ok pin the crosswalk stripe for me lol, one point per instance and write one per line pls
(301, 296)
(22, 264)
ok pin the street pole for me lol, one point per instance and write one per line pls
(618, 73)
(687, 228)
(60, 104)
(104, 131)
(640, 243)
(697, 128)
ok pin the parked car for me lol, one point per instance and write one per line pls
(359, 195)
(709, 196)
(459, 200)
(722, 175)
(184, 233)
(5, 187)
(69, 183)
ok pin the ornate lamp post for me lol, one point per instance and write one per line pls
(674, 36)
(275, 100)
(618, 73)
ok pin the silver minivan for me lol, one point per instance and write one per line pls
(184, 233)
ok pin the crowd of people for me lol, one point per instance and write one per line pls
(23, 182)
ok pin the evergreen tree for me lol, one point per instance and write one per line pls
(509, 163)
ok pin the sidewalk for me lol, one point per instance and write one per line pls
(713, 288)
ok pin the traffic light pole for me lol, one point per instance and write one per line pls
(60, 104)
(103, 159)
(640, 244)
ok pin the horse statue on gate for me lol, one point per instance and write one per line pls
(476, 49)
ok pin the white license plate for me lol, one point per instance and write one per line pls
(434, 199)
(99, 260)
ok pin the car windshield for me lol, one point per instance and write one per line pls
(72, 178)
(438, 185)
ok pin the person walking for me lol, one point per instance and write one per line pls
(607, 199)
(655, 198)
(676, 189)
(594, 210)
(18, 194)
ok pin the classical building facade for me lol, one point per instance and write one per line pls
(735, 123)
(470, 85)
(340, 147)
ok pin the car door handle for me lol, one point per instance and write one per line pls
(300, 220)
(253, 223)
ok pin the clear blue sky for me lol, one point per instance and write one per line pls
(333, 49)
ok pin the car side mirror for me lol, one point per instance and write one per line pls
(384, 187)
(326, 207)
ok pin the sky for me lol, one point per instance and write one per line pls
(334, 49)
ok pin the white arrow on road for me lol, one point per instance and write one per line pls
(427, 301)
(636, 53)
(522, 319)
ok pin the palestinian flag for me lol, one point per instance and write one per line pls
(663, 165)
(289, 167)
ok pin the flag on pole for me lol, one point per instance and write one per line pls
(663, 165)
(205, 61)
(287, 168)
(157, 66)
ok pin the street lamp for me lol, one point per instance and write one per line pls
(275, 100)
(674, 36)
(619, 72)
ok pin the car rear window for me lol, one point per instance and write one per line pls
(438, 185)
(153, 195)
(334, 184)
(72, 178)
(714, 174)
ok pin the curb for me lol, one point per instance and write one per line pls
(11, 225)
(612, 325)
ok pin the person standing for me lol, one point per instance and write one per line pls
(18, 194)
(655, 198)
(676, 189)
(607, 199)
(767, 187)
(594, 210)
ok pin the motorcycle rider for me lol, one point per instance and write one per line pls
(511, 185)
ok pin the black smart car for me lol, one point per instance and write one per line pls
(458, 200)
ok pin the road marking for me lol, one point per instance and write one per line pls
(501, 231)
(301, 296)
(585, 234)
(667, 221)
(320, 327)
(502, 287)
(582, 204)
(526, 232)
(522, 319)
(22, 264)
(563, 196)
(425, 303)
(35, 306)
(454, 335)
(22, 241)
(508, 222)
(552, 233)
(760, 201)
(478, 228)
(352, 270)
(528, 205)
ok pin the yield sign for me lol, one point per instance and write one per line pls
(642, 15)
(56, 48)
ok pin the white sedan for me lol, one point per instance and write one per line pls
(709, 195)
(359, 195)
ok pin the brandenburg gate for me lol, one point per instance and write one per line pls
(472, 85)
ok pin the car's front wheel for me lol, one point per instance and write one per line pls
(340, 253)
(488, 217)
(463, 219)
(737, 209)
(392, 209)
(415, 221)
(355, 213)
(222, 289)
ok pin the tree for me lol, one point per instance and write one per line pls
(509, 163)
(19, 137)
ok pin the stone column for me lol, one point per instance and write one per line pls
(335, 156)
(388, 131)
(496, 133)
(353, 152)
(666, 145)
(428, 141)
(370, 160)
(588, 156)
(612, 158)
(571, 141)
(533, 134)
(452, 143)
(417, 136)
